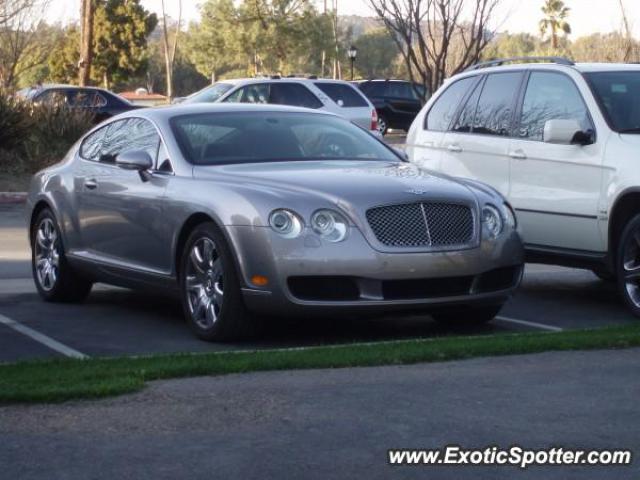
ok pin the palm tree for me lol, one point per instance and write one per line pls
(555, 14)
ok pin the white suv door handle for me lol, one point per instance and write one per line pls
(518, 154)
(454, 147)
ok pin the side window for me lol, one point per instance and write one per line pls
(293, 94)
(495, 106)
(115, 141)
(129, 134)
(550, 96)
(343, 94)
(442, 111)
(92, 145)
(143, 136)
(235, 96)
(377, 89)
(53, 97)
(258, 93)
(465, 121)
(401, 90)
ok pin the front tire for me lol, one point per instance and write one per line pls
(467, 316)
(55, 279)
(628, 265)
(210, 287)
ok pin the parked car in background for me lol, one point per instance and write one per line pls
(103, 103)
(397, 102)
(249, 210)
(335, 96)
(560, 141)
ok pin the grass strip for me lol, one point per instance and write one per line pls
(67, 379)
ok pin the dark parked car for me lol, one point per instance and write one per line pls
(98, 100)
(397, 102)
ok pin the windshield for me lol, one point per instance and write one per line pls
(250, 137)
(619, 96)
(209, 94)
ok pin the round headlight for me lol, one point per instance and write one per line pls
(330, 225)
(492, 221)
(286, 223)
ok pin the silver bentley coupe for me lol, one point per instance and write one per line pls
(250, 211)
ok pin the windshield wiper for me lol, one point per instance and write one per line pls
(630, 130)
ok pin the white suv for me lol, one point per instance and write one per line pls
(335, 96)
(562, 142)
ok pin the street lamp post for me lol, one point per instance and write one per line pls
(353, 53)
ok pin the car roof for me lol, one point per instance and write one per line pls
(251, 81)
(169, 111)
(49, 86)
(580, 67)
(385, 80)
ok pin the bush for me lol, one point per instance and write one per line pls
(34, 136)
(14, 122)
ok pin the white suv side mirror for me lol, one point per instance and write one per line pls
(565, 132)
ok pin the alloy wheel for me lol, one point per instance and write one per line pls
(47, 254)
(382, 125)
(631, 267)
(204, 283)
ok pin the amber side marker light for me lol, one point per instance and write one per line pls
(259, 280)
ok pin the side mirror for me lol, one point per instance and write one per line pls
(566, 132)
(137, 160)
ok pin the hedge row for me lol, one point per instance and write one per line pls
(35, 136)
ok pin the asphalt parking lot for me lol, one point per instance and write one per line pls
(116, 321)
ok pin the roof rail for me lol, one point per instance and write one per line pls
(500, 61)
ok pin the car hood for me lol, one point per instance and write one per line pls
(349, 184)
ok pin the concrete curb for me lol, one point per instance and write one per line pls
(11, 198)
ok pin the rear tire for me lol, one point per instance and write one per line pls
(467, 316)
(55, 279)
(628, 265)
(383, 126)
(210, 288)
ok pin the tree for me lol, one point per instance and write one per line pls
(120, 40)
(87, 11)
(64, 54)
(377, 53)
(11, 9)
(437, 38)
(610, 47)
(170, 50)
(554, 20)
(212, 44)
(629, 46)
(21, 32)
(253, 37)
(506, 45)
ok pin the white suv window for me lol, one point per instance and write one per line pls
(494, 112)
(550, 96)
(444, 108)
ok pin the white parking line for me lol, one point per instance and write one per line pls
(526, 323)
(41, 338)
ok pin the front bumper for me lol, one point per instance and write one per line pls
(307, 275)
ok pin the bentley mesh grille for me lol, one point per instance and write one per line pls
(425, 224)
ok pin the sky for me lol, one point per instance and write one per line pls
(587, 16)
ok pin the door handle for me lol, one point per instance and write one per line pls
(91, 184)
(454, 147)
(518, 155)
